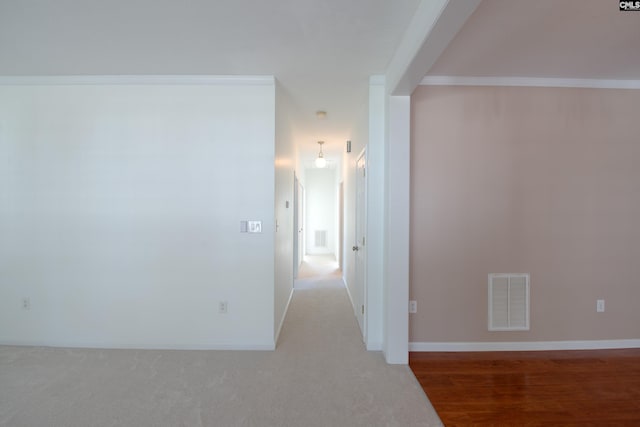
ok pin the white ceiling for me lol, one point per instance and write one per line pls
(321, 52)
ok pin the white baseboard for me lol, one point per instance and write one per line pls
(522, 346)
(349, 295)
(116, 346)
(374, 346)
(286, 310)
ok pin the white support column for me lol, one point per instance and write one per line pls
(434, 25)
(396, 286)
(376, 150)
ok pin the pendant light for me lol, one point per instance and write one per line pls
(320, 160)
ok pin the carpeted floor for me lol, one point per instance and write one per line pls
(320, 375)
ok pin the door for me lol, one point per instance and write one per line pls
(341, 226)
(296, 227)
(298, 222)
(359, 246)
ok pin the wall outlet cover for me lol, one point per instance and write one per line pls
(223, 307)
(413, 306)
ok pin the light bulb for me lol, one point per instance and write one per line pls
(321, 162)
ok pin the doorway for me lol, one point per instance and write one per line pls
(298, 225)
(359, 246)
(318, 220)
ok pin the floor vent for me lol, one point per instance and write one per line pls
(508, 302)
(321, 239)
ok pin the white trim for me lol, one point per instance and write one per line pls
(115, 346)
(529, 81)
(200, 80)
(286, 310)
(433, 26)
(523, 346)
(355, 313)
(377, 80)
(397, 231)
(374, 346)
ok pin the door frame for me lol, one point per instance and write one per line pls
(298, 225)
(362, 291)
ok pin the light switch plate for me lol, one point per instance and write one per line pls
(255, 226)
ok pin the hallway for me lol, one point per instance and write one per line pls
(319, 375)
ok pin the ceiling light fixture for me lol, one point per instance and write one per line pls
(320, 160)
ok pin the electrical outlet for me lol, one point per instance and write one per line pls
(600, 306)
(26, 303)
(413, 306)
(222, 307)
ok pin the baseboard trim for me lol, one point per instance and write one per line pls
(374, 346)
(110, 346)
(284, 316)
(522, 346)
(353, 306)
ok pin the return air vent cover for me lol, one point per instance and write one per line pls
(321, 239)
(508, 302)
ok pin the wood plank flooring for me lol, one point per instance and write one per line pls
(544, 388)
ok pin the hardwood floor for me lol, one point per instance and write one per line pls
(550, 388)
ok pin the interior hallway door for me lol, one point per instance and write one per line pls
(298, 226)
(360, 243)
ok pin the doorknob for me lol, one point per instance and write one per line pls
(355, 248)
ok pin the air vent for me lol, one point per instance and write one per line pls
(321, 239)
(508, 302)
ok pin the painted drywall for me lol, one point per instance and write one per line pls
(321, 197)
(376, 170)
(284, 207)
(369, 133)
(397, 230)
(525, 180)
(120, 215)
(349, 171)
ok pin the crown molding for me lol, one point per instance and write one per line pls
(178, 80)
(530, 82)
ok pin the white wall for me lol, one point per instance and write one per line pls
(376, 158)
(120, 209)
(396, 224)
(284, 208)
(358, 143)
(321, 196)
(369, 133)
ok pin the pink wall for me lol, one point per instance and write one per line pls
(543, 181)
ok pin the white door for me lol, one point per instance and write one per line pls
(359, 246)
(296, 227)
(300, 226)
(341, 226)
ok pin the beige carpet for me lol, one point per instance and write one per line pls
(320, 375)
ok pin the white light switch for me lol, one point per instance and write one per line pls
(255, 226)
